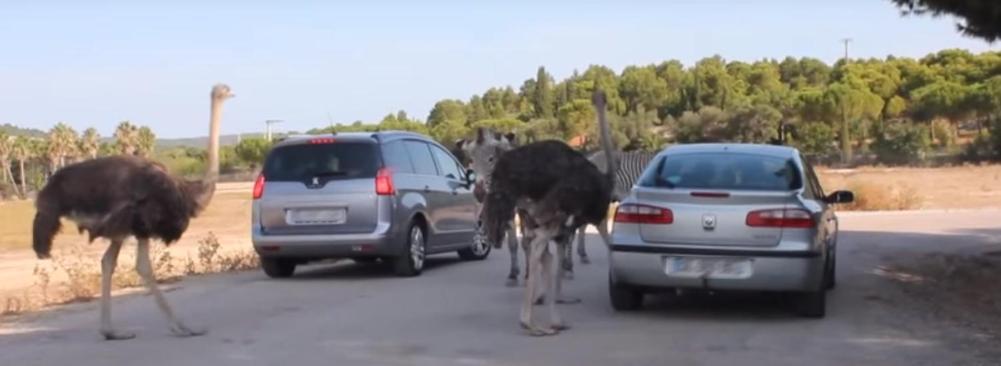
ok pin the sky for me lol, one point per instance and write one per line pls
(96, 63)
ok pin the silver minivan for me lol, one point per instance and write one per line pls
(726, 217)
(387, 196)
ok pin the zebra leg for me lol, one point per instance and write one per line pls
(512, 247)
(580, 245)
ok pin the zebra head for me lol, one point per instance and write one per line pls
(483, 151)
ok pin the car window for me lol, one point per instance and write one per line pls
(723, 171)
(447, 165)
(332, 161)
(395, 156)
(420, 155)
(814, 182)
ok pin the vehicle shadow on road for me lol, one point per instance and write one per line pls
(723, 306)
(351, 270)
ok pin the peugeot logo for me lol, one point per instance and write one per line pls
(709, 221)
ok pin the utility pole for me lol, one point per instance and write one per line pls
(846, 145)
(269, 123)
(846, 41)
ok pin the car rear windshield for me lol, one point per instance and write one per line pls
(332, 161)
(723, 171)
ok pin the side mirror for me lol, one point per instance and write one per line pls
(470, 176)
(840, 197)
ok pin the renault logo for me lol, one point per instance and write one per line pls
(709, 221)
(316, 181)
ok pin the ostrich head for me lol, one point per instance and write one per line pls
(484, 151)
(203, 190)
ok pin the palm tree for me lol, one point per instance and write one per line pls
(90, 143)
(6, 149)
(126, 138)
(145, 141)
(62, 144)
(22, 152)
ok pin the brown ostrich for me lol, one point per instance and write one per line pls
(117, 197)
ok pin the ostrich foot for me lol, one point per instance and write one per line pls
(559, 327)
(568, 275)
(113, 335)
(538, 332)
(511, 282)
(182, 330)
(585, 260)
(568, 300)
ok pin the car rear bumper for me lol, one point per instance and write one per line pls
(383, 241)
(772, 270)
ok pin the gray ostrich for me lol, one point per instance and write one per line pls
(560, 191)
(482, 153)
(117, 197)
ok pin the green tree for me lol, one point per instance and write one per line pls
(901, 143)
(543, 99)
(709, 124)
(251, 151)
(815, 139)
(575, 117)
(981, 18)
(642, 89)
(849, 102)
(757, 124)
(22, 153)
(448, 110)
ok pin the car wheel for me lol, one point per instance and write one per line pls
(277, 267)
(829, 274)
(411, 261)
(478, 251)
(624, 297)
(813, 304)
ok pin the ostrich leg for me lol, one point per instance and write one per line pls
(145, 269)
(535, 255)
(108, 263)
(512, 247)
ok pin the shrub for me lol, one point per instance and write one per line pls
(815, 139)
(900, 143)
(876, 197)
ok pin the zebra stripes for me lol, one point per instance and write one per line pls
(631, 165)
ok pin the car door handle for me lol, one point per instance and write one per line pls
(427, 189)
(455, 192)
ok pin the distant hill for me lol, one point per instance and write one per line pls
(202, 141)
(18, 131)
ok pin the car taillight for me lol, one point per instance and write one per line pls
(259, 186)
(643, 214)
(780, 217)
(384, 183)
(322, 140)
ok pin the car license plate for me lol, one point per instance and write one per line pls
(316, 216)
(698, 267)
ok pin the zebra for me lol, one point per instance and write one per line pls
(631, 165)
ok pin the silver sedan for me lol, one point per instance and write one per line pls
(726, 217)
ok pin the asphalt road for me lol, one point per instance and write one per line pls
(460, 313)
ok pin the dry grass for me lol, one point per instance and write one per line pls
(74, 277)
(877, 197)
(925, 188)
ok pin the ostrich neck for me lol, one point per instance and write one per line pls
(212, 169)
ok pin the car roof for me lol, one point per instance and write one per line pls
(758, 149)
(353, 136)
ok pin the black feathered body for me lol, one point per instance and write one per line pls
(557, 182)
(116, 197)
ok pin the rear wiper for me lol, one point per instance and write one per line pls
(328, 173)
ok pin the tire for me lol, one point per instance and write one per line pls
(813, 304)
(478, 251)
(278, 267)
(624, 297)
(829, 274)
(410, 262)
